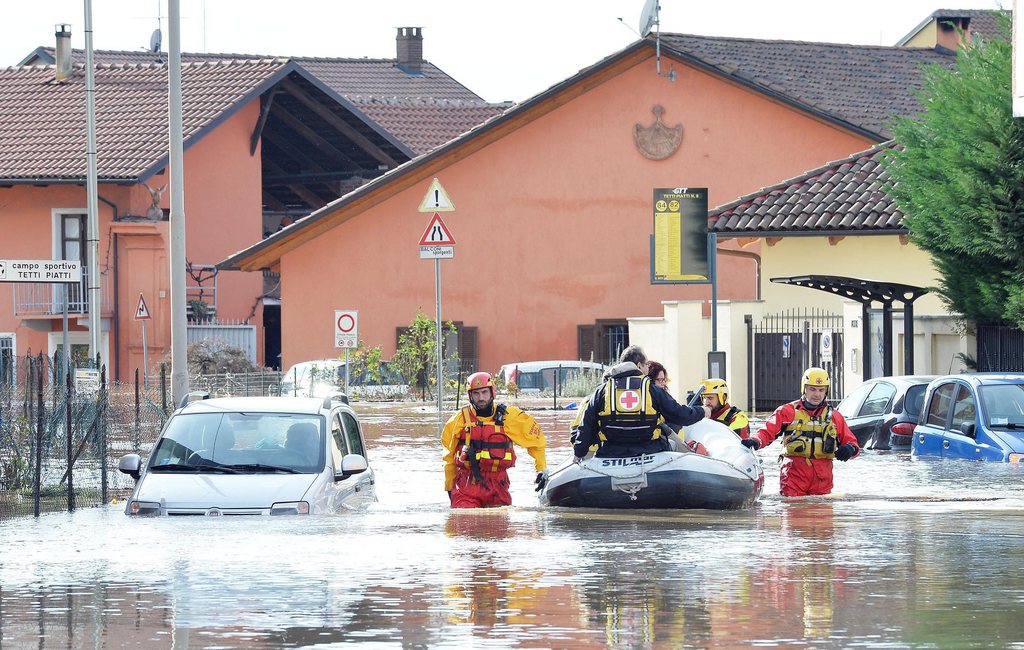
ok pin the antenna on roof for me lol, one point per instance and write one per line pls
(650, 19)
(156, 38)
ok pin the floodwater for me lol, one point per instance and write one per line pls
(921, 554)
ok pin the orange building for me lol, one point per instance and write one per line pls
(553, 198)
(266, 141)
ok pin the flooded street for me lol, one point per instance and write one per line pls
(905, 554)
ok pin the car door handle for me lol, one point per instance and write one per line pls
(945, 444)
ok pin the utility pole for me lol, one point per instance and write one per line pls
(179, 342)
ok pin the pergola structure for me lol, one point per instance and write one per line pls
(867, 292)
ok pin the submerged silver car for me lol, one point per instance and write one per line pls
(254, 456)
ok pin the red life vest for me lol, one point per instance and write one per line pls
(484, 447)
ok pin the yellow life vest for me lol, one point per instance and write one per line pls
(810, 437)
(628, 414)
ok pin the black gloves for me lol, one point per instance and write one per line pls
(846, 452)
(540, 481)
(752, 443)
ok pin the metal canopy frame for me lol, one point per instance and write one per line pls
(867, 292)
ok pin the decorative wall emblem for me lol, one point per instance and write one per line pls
(657, 141)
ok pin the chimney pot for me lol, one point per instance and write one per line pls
(410, 49)
(62, 54)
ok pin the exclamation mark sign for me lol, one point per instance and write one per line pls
(437, 198)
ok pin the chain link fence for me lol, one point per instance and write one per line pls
(62, 434)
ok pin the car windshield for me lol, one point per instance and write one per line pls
(244, 442)
(1004, 405)
(313, 379)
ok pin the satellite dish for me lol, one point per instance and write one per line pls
(154, 41)
(648, 17)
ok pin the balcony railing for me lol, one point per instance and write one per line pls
(47, 299)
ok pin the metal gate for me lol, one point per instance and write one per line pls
(785, 344)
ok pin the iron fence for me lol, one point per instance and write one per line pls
(1000, 349)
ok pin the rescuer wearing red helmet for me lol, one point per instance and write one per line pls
(813, 434)
(478, 447)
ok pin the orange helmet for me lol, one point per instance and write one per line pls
(479, 380)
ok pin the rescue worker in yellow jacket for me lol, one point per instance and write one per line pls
(813, 434)
(478, 447)
(716, 398)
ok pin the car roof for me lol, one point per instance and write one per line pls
(988, 378)
(905, 379)
(307, 405)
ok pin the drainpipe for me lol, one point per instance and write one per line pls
(750, 256)
(115, 360)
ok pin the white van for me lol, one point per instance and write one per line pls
(536, 376)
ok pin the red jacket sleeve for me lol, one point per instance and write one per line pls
(843, 431)
(772, 428)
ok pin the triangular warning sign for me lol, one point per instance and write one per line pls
(437, 234)
(436, 199)
(142, 311)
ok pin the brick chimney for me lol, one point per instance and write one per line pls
(410, 48)
(62, 54)
(946, 35)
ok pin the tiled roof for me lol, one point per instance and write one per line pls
(864, 86)
(44, 130)
(425, 124)
(422, 110)
(846, 195)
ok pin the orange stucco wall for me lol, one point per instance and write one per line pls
(553, 221)
(223, 215)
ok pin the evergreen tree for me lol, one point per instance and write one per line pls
(958, 178)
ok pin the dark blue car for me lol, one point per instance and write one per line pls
(974, 417)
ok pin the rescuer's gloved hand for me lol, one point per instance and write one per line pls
(752, 443)
(846, 452)
(541, 480)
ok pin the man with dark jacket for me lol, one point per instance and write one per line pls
(622, 416)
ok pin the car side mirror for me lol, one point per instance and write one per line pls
(129, 464)
(351, 464)
(968, 429)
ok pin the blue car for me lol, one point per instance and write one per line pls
(974, 417)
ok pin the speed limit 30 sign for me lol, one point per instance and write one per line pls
(346, 329)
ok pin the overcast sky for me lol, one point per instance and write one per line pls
(500, 50)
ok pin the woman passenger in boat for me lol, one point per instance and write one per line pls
(623, 414)
(659, 377)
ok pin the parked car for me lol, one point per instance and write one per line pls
(882, 412)
(325, 376)
(973, 416)
(313, 378)
(254, 456)
(535, 376)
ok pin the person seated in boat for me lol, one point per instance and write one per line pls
(716, 398)
(659, 377)
(623, 414)
(813, 434)
(478, 447)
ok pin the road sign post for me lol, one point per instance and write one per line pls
(437, 244)
(142, 314)
(346, 335)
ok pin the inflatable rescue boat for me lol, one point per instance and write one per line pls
(728, 478)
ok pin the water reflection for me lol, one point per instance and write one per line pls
(905, 553)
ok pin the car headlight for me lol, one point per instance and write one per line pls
(143, 508)
(1016, 458)
(290, 508)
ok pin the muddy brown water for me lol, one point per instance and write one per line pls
(906, 553)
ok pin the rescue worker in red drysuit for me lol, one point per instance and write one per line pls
(716, 398)
(478, 448)
(813, 433)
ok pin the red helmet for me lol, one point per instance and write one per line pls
(479, 380)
